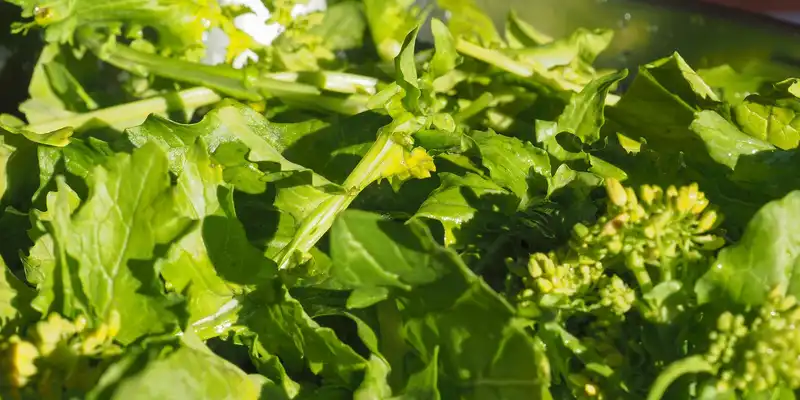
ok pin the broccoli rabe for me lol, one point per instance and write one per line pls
(661, 239)
(748, 354)
(59, 355)
(756, 354)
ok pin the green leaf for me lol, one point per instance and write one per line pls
(105, 250)
(771, 116)
(578, 50)
(583, 116)
(390, 22)
(247, 146)
(446, 57)
(211, 263)
(15, 298)
(244, 139)
(343, 26)
(766, 258)
(375, 385)
(484, 351)
(191, 371)
(519, 33)
(514, 164)
(363, 260)
(405, 65)
(723, 142)
(284, 329)
(423, 383)
(61, 20)
(731, 86)
(466, 205)
(469, 22)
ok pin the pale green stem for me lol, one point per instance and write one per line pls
(131, 114)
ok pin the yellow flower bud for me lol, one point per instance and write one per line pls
(632, 200)
(534, 268)
(23, 357)
(700, 205)
(95, 339)
(650, 232)
(638, 213)
(707, 221)
(686, 199)
(616, 192)
(647, 194)
(590, 390)
(544, 285)
(615, 246)
(114, 321)
(80, 323)
(672, 192)
(710, 242)
(547, 264)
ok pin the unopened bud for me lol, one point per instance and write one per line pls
(616, 192)
(544, 285)
(686, 199)
(24, 355)
(631, 196)
(700, 204)
(650, 232)
(647, 194)
(707, 221)
(534, 268)
(615, 246)
(725, 322)
(672, 192)
(114, 321)
(81, 322)
(710, 242)
(580, 230)
(590, 390)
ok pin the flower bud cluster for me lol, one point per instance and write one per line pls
(655, 227)
(668, 230)
(752, 356)
(55, 346)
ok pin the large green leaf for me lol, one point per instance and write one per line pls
(211, 262)
(466, 205)
(104, 251)
(469, 22)
(766, 258)
(283, 328)
(15, 297)
(772, 115)
(515, 165)
(390, 22)
(191, 371)
(484, 350)
(583, 116)
(372, 252)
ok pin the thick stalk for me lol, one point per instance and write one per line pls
(321, 219)
(691, 365)
(241, 84)
(131, 114)
(508, 64)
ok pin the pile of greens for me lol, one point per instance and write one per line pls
(373, 206)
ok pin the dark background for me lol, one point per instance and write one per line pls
(18, 55)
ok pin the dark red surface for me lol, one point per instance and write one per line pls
(760, 5)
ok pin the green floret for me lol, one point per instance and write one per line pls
(660, 238)
(762, 353)
(749, 353)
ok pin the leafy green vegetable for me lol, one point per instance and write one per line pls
(294, 200)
